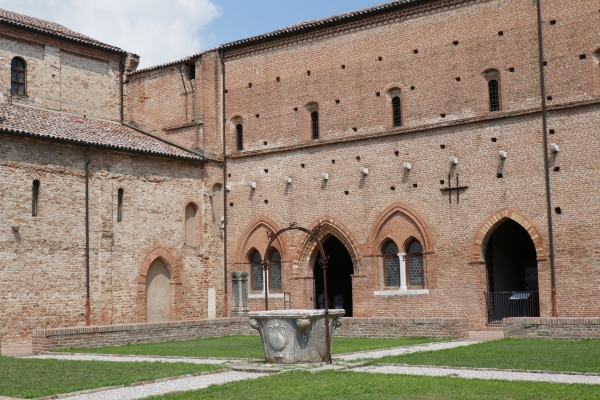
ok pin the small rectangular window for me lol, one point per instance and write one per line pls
(191, 71)
(35, 196)
(120, 194)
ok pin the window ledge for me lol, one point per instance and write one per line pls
(401, 292)
(262, 296)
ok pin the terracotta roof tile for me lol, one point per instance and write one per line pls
(53, 125)
(47, 27)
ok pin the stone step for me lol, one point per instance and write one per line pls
(486, 336)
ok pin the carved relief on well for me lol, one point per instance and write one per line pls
(277, 335)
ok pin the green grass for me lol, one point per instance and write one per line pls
(332, 385)
(555, 355)
(31, 378)
(240, 347)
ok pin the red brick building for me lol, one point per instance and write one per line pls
(444, 149)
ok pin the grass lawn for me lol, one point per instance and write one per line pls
(352, 385)
(555, 355)
(240, 347)
(31, 378)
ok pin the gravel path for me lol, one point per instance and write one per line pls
(100, 357)
(403, 350)
(483, 374)
(177, 385)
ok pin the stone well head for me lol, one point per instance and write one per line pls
(295, 336)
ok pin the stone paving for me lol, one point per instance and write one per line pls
(475, 373)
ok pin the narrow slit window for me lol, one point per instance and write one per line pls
(494, 95)
(35, 198)
(120, 194)
(397, 111)
(17, 76)
(314, 119)
(239, 129)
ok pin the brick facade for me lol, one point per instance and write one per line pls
(437, 56)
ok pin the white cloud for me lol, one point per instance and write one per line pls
(158, 30)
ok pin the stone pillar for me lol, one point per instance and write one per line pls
(239, 289)
(402, 257)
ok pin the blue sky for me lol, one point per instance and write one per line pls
(166, 30)
(246, 18)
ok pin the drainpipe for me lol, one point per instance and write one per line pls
(121, 94)
(546, 159)
(87, 237)
(222, 59)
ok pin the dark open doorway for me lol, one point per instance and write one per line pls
(512, 274)
(339, 271)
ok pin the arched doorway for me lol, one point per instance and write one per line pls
(512, 273)
(158, 292)
(339, 271)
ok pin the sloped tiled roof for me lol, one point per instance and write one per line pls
(43, 124)
(335, 19)
(51, 28)
(168, 64)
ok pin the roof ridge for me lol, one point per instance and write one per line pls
(53, 28)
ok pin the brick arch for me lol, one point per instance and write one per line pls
(494, 221)
(281, 244)
(374, 240)
(307, 250)
(174, 265)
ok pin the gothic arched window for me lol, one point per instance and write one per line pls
(256, 271)
(391, 264)
(414, 263)
(275, 279)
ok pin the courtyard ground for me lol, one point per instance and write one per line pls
(434, 370)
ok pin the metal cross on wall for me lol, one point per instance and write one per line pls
(450, 188)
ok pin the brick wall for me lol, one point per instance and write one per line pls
(42, 265)
(117, 335)
(62, 75)
(552, 328)
(403, 328)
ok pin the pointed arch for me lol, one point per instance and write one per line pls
(174, 266)
(377, 236)
(494, 221)
(251, 238)
(306, 249)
